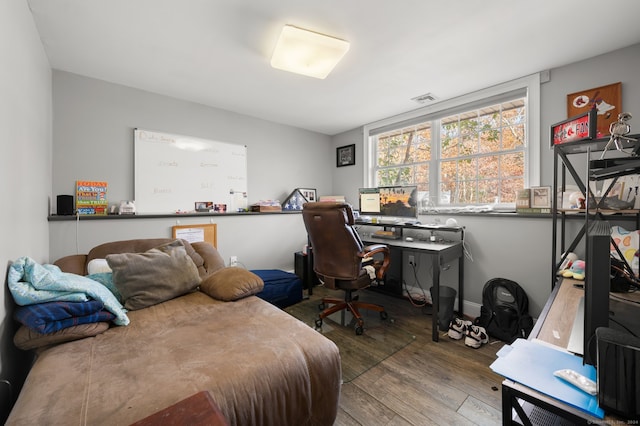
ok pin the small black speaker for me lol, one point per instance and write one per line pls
(65, 205)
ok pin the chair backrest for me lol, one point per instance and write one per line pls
(337, 248)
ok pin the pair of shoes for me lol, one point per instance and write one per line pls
(458, 328)
(476, 336)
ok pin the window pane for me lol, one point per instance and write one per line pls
(422, 176)
(447, 188)
(449, 147)
(512, 165)
(468, 123)
(469, 144)
(467, 192)
(449, 132)
(490, 141)
(488, 191)
(489, 167)
(509, 188)
(448, 171)
(397, 155)
(468, 168)
(513, 137)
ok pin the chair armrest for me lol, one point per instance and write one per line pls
(375, 249)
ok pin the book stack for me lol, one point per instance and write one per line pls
(533, 200)
(91, 197)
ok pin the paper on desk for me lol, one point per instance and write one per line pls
(532, 364)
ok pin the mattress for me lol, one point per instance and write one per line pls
(260, 365)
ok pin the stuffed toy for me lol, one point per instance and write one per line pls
(575, 271)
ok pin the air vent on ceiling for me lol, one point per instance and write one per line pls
(426, 98)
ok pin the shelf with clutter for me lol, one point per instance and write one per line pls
(607, 189)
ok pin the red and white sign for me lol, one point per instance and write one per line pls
(574, 129)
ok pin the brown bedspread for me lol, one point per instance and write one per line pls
(260, 365)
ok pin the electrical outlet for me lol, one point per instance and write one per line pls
(412, 260)
(233, 261)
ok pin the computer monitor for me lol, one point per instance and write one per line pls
(399, 201)
(369, 199)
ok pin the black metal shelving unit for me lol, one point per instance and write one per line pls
(610, 165)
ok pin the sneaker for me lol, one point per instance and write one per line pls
(476, 336)
(458, 328)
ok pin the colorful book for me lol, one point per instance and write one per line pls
(91, 197)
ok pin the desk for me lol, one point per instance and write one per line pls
(553, 326)
(440, 253)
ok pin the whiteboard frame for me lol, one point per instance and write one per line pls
(172, 172)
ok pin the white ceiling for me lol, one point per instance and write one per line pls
(217, 52)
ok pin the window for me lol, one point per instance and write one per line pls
(475, 150)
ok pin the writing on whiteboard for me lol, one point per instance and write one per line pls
(173, 172)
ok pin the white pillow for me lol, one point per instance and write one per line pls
(98, 266)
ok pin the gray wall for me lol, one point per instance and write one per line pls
(25, 165)
(515, 247)
(93, 140)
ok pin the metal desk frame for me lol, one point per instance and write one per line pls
(440, 254)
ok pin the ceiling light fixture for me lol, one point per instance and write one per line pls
(307, 52)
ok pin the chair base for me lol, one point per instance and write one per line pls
(352, 305)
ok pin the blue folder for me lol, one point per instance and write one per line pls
(533, 364)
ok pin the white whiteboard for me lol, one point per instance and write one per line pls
(173, 172)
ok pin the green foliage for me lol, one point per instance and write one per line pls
(481, 151)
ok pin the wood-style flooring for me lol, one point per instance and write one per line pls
(425, 383)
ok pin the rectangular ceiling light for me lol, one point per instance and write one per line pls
(307, 52)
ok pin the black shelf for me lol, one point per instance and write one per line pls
(58, 218)
(607, 166)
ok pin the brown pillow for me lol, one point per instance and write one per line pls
(155, 276)
(27, 339)
(231, 283)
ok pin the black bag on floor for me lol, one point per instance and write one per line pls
(505, 310)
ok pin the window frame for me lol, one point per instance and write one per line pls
(529, 85)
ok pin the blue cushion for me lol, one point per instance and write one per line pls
(281, 288)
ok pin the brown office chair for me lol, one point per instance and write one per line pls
(337, 258)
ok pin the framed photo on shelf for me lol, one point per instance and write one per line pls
(541, 197)
(297, 198)
(309, 194)
(346, 155)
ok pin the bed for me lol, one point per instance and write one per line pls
(259, 364)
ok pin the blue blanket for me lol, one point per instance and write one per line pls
(53, 316)
(31, 283)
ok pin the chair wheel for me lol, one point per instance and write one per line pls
(359, 330)
(384, 315)
(321, 307)
(318, 323)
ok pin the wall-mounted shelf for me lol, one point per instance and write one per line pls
(58, 218)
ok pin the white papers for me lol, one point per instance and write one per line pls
(192, 235)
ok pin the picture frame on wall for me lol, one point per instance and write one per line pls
(346, 155)
(605, 100)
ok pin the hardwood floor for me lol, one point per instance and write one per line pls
(425, 383)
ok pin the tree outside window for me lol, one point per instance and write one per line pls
(472, 157)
